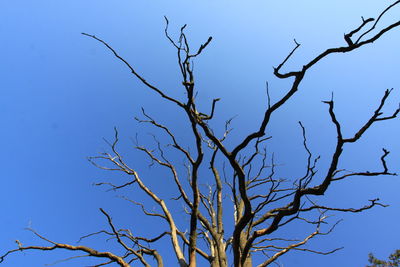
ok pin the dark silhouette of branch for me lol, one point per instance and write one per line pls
(89, 251)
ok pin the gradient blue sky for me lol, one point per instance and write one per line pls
(61, 93)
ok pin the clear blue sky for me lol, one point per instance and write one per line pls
(61, 93)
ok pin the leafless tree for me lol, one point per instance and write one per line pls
(245, 174)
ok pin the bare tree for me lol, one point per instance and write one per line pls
(245, 173)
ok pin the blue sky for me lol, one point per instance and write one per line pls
(61, 93)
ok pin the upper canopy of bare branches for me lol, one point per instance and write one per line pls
(262, 202)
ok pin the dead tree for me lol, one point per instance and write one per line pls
(246, 173)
